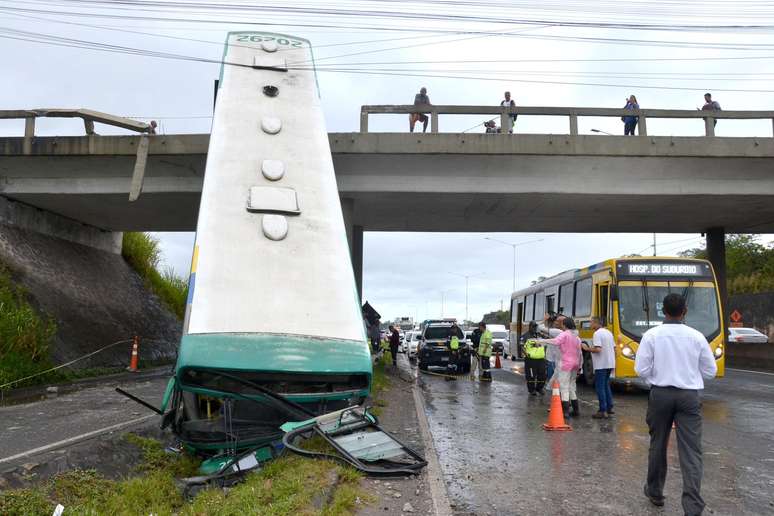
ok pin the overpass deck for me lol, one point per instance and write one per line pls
(428, 182)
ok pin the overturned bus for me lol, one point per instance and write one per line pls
(273, 329)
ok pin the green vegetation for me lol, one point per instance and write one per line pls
(288, 485)
(25, 336)
(749, 264)
(142, 252)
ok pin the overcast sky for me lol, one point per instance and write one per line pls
(545, 53)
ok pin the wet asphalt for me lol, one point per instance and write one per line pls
(497, 459)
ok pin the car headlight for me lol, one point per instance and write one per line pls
(627, 352)
(718, 352)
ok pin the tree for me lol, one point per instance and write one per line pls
(749, 264)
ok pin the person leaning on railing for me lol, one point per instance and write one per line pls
(421, 99)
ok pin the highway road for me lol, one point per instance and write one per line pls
(496, 458)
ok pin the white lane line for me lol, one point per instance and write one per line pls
(748, 371)
(77, 438)
(438, 493)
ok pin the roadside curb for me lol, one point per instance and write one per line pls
(438, 493)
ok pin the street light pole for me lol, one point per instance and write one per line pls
(514, 246)
(467, 277)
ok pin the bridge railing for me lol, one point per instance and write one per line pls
(89, 117)
(572, 113)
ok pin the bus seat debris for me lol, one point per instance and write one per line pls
(358, 440)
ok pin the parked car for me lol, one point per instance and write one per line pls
(499, 338)
(746, 335)
(435, 350)
(413, 338)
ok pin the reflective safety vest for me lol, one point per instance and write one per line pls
(454, 344)
(534, 350)
(485, 344)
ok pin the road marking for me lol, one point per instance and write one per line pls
(434, 475)
(748, 371)
(77, 438)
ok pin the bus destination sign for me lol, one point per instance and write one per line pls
(663, 269)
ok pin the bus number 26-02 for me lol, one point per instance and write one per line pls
(257, 39)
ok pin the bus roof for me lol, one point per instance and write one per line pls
(574, 274)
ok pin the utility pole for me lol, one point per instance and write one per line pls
(514, 246)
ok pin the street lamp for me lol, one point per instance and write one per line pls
(601, 131)
(518, 244)
(443, 295)
(467, 277)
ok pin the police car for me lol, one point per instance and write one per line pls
(435, 346)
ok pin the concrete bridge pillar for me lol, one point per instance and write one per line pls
(716, 254)
(355, 241)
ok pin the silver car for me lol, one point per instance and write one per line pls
(746, 335)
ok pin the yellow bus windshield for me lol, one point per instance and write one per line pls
(639, 307)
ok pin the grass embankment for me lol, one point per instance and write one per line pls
(380, 381)
(288, 485)
(142, 252)
(25, 336)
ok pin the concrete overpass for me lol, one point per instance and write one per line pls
(431, 182)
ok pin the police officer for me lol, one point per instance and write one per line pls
(454, 346)
(485, 351)
(534, 361)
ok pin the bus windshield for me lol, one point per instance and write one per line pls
(640, 308)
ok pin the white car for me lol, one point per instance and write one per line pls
(746, 335)
(412, 341)
(403, 346)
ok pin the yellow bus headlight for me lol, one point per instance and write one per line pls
(627, 352)
(718, 352)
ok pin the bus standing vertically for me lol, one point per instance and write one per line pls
(627, 294)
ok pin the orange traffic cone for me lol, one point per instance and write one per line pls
(498, 365)
(133, 366)
(556, 416)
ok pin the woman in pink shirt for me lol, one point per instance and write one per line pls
(570, 350)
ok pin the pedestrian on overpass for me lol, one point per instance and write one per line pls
(674, 359)
(420, 99)
(602, 352)
(630, 121)
(569, 363)
(485, 351)
(394, 339)
(508, 102)
(711, 105)
(534, 361)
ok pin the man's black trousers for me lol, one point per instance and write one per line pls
(535, 371)
(682, 407)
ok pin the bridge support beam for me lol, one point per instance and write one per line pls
(355, 242)
(716, 253)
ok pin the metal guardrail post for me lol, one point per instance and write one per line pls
(363, 121)
(709, 126)
(642, 126)
(434, 121)
(29, 134)
(573, 125)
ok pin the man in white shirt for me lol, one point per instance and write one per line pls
(674, 359)
(603, 359)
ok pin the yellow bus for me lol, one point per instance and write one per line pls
(627, 294)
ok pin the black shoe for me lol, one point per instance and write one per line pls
(575, 408)
(610, 412)
(540, 392)
(532, 393)
(600, 415)
(566, 409)
(658, 501)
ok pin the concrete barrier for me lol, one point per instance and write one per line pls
(752, 356)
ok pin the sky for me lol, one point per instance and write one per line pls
(111, 57)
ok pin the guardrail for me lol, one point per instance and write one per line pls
(88, 116)
(709, 117)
